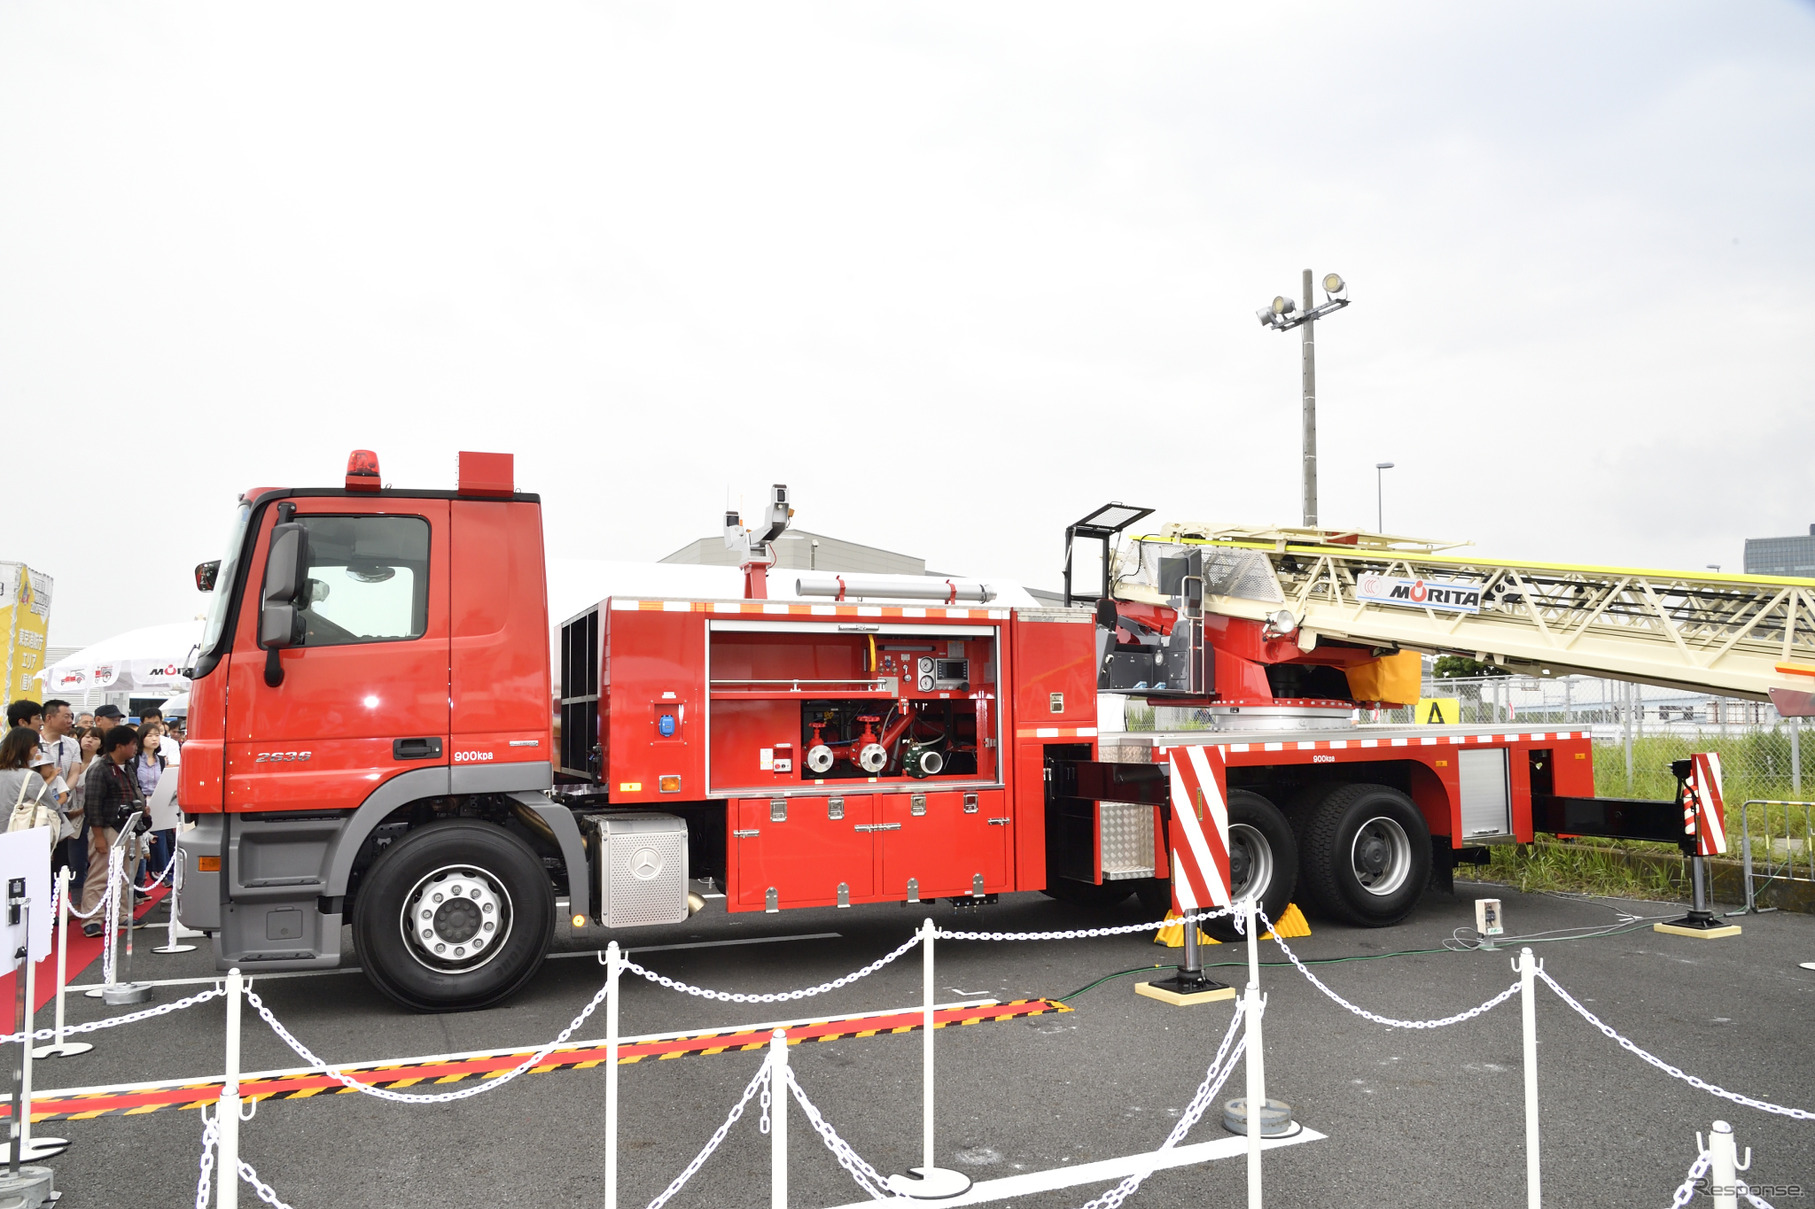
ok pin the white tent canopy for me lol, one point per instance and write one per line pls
(146, 662)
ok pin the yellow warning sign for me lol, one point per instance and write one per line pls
(1440, 711)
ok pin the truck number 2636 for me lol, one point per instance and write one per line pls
(278, 757)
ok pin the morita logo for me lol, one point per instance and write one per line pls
(1442, 595)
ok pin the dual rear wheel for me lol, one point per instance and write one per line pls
(1360, 854)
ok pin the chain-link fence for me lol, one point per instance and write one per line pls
(1638, 731)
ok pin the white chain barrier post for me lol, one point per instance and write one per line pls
(59, 1048)
(1724, 1165)
(1254, 1065)
(928, 1181)
(611, 1075)
(226, 1112)
(31, 1149)
(128, 991)
(778, 1119)
(1528, 968)
(110, 923)
(172, 941)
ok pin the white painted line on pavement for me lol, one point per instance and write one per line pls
(1108, 1170)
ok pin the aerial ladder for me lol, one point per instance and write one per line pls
(1749, 636)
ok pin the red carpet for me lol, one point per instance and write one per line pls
(84, 951)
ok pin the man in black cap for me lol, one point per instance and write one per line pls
(108, 717)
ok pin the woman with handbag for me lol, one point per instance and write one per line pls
(23, 790)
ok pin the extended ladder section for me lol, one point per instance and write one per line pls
(1741, 635)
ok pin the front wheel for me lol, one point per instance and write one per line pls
(455, 916)
(1366, 855)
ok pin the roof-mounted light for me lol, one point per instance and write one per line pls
(362, 471)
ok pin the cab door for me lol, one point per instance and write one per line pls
(364, 696)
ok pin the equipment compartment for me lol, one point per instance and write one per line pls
(798, 706)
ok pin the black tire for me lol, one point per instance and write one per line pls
(1254, 824)
(1088, 894)
(1364, 855)
(488, 877)
(1261, 843)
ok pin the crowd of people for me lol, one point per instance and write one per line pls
(88, 774)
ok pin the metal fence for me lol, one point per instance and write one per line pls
(1639, 729)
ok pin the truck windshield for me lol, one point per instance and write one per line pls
(223, 582)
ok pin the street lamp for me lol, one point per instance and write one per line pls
(1280, 317)
(1380, 497)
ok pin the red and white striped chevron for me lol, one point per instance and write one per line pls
(1199, 832)
(1703, 805)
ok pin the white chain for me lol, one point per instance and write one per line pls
(162, 1009)
(210, 1138)
(115, 876)
(265, 1192)
(210, 1134)
(759, 1080)
(1389, 1021)
(1083, 933)
(491, 1083)
(1745, 1190)
(98, 907)
(162, 877)
(1221, 1067)
(1687, 1192)
(868, 1178)
(780, 996)
(1799, 1114)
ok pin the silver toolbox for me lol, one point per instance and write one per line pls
(642, 869)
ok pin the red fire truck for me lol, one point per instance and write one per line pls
(371, 744)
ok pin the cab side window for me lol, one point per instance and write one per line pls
(368, 579)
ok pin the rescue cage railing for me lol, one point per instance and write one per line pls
(1715, 1167)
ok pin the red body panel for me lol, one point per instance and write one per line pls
(498, 679)
(342, 705)
(1050, 657)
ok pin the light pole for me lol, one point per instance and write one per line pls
(1380, 496)
(1280, 317)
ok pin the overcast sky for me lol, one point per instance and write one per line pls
(957, 273)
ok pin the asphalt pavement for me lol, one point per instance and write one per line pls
(1412, 1117)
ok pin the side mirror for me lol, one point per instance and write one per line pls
(206, 574)
(280, 621)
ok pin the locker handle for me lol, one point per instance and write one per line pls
(998, 822)
(744, 835)
(877, 827)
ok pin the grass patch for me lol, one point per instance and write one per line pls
(1598, 867)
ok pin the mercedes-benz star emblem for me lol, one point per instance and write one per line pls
(645, 863)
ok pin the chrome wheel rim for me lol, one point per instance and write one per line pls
(1250, 861)
(456, 919)
(1381, 856)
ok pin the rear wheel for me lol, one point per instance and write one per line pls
(1263, 853)
(1365, 855)
(1263, 858)
(455, 916)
